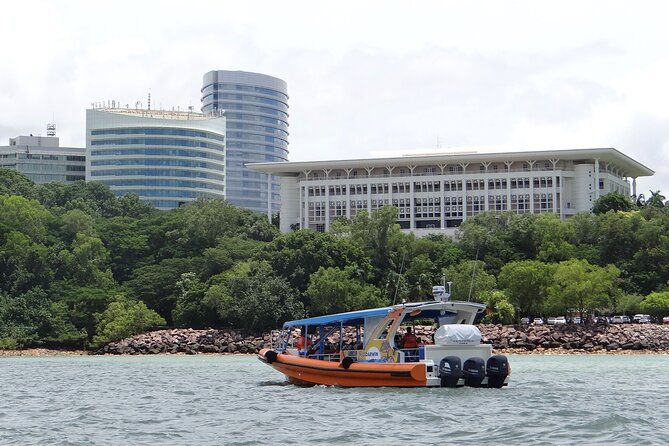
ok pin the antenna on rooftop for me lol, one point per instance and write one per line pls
(51, 129)
(148, 106)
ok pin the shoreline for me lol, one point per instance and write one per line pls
(45, 352)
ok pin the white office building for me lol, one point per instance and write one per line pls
(168, 158)
(42, 160)
(436, 193)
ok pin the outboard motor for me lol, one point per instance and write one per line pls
(473, 371)
(450, 371)
(497, 370)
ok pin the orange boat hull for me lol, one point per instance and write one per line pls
(360, 374)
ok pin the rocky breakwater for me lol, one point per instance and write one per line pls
(187, 341)
(578, 338)
(509, 338)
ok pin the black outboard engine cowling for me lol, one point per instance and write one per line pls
(497, 370)
(450, 371)
(473, 371)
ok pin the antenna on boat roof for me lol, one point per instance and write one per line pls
(471, 285)
(399, 276)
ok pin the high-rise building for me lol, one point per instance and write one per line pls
(436, 193)
(42, 160)
(168, 158)
(256, 109)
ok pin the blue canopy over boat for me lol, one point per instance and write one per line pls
(350, 317)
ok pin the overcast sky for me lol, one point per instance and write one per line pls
(364, 77)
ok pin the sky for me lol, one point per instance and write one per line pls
(365, 78)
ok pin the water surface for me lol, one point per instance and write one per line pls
(237, 400)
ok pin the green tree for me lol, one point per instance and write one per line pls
(502, 311)
(124, 317)
(552, 238)
(470, 280)
(440, 249)
(421, 275)
(74, 222)
(332, 290)
(190, 309)
(129, 205)
(23, 264)
(618, 239)
(581, 286)
(128, 245)
(656, 200)
(229, 251)
(15, 183)
(88, 261)
(379, 236)
(25, 216)
(656, 304)
(260, 300)
(156, 285)
(613, 201)
(649, 267)
(628, 304)
(207, 220)
(79, 304)
(24, 318)
(298, 254)
(526, 283)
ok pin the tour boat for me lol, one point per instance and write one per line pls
(455, 357)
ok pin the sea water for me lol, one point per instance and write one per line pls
(237, 400)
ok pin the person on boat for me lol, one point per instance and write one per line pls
(302, 344)
(409, 339)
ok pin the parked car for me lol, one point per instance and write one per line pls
(538, 321)
(601, 320)
(577, 320)
(665, 320)
(559, 320)
(551, 320)
(639, 317)
(645, 319)
(626, 319)
(525, 321)
(617, 320)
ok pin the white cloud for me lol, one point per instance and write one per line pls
(362, 76)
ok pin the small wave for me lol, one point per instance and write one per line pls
(282, 383)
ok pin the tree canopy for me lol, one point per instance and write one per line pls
(80, 265)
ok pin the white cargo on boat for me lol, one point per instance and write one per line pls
(457, 334)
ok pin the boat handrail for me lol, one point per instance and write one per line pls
(334, 357)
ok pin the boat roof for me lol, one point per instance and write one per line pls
(340, 317)
(359, 316)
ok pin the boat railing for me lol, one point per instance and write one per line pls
(334, 357)
(276, 340)
(410, 354)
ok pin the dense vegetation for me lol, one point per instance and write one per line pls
(80, 267)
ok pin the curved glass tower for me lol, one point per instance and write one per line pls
(256, 112)
(167, 158)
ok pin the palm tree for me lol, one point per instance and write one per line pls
(656, 199)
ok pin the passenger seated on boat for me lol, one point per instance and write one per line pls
(409, 340)
(302, 344)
